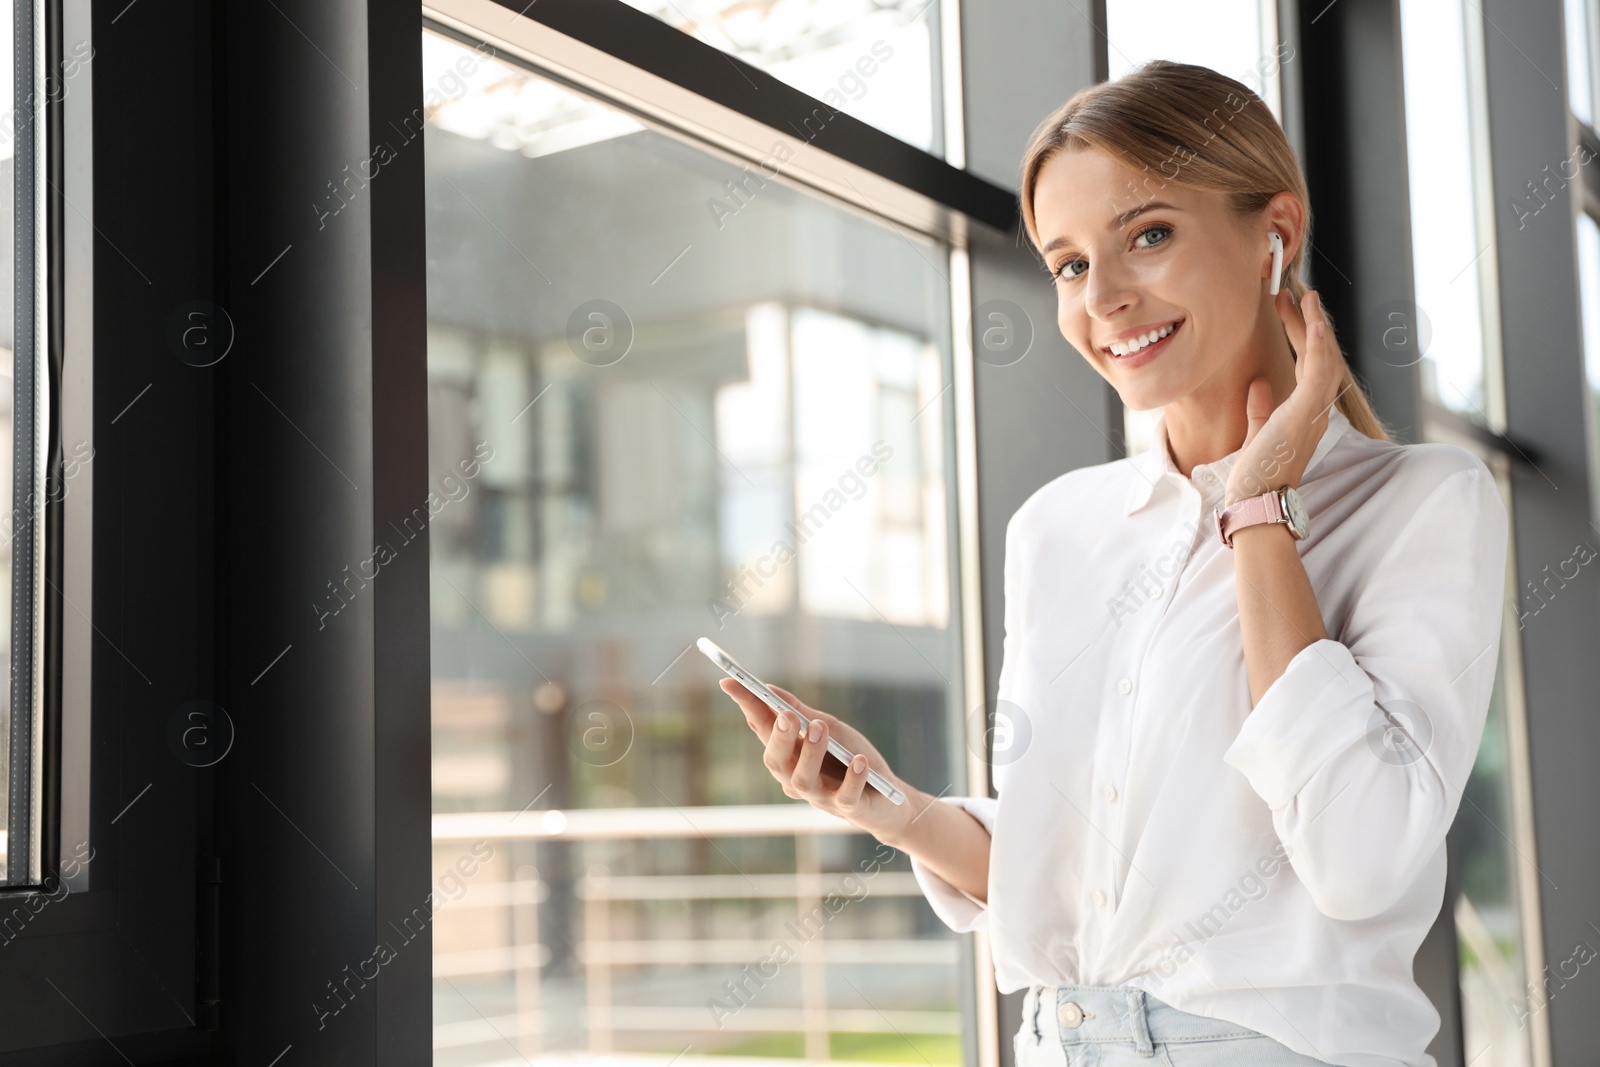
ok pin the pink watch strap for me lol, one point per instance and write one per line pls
(1248, 512)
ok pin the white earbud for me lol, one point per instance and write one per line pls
(1277, 260)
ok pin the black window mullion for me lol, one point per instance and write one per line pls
(20, 843)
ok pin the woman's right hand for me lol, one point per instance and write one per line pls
(806, 772)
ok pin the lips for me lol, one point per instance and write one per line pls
(1146, 336)
(1149, 351)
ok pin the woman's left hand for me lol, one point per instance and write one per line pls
(1278, 443)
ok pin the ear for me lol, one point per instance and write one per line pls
(1286, 215)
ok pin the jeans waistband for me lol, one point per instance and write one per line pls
(1075, 1013)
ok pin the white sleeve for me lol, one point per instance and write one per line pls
(959, 910)
(1361, 749)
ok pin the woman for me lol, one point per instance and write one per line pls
(1225, 767)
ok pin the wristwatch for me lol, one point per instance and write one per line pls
(1275, 505)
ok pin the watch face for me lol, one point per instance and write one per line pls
(1299, 521)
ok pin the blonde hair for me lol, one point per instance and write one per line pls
(1188, 125)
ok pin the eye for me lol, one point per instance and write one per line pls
(1064, 272)
(1153, 227)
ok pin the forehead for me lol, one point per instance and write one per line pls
(1081, 191)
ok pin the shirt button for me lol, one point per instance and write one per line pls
(1110, 792)
(1069, 1014)
(1099, 899)
(1124, 686)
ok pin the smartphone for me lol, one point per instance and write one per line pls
(781, 706)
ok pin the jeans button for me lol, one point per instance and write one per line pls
(1069, 1014)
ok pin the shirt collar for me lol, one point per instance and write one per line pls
(1155, 462)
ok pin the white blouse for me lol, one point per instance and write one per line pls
(1275, 867)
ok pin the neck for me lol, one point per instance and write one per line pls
(1211, 422)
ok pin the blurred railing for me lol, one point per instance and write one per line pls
(599, 952)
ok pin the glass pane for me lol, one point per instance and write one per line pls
(1228, 36)
(649, 422)
(1589, 294)
(875, 60)
(1444, 334)
(1495, 1006)
(1581, 33)
(8, 151)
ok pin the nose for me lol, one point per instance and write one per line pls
(1106, 290)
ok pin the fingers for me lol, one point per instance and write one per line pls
(1258, 408)
(1310, 340)
(1317, 362)
(733, 689)
(849, 797)
(780, 754)
(741, 696)
(805, 709)
(805, 779)
(825, 790)
(1326, 365)
(756, 713)
(1294, 323)
(793, 757)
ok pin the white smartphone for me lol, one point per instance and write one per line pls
(781, 706)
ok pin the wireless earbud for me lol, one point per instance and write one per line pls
(1276, 243)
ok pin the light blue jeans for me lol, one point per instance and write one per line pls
(1104, 1026)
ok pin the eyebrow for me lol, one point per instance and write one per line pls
(1118, 222)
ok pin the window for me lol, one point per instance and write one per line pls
(1452, 331)
(24, 414)
(876, 60)
(1238, 38)
(1488, 846)
(1452, 335)
(1589, 293)
(1583, 57)
(674, 396)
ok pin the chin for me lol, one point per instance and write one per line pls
(1142, 401)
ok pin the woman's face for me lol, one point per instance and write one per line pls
(1190, 265)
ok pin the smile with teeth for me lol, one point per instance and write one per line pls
(1128, 348)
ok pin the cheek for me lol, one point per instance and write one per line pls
(1219, 283)
(1070, 315)
(1072, 322)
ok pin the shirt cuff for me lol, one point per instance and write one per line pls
(1321, 705)
(957, 908)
